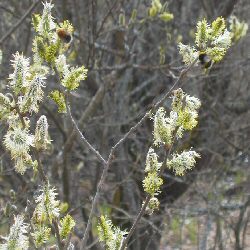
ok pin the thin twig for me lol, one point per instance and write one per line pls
(98, 155)
(58, 237)
(105, 18)
(40, 166)
(68, 241)
(137, 219)
(31, 8)
(93, 105)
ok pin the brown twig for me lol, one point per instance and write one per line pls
(137, 219)
(94, 103)
(40, 167)
(105, 18)
(84, 139)
(58, 237)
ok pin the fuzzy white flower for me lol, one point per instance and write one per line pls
(189, 54)
(105, 229)
(41, 139)
(152, 205)
(193, 103)
(13, 120)
(152, 183)
(47, 205)
(18, 141)
(110, 235)
(177, 102)
(152, 163)
(186, 108)
(183, 117)
(34, 95)
(163, 128)
(46, 23)
(180, 163)
(5, 101)
(5, 106)
(173, 121)
(73, 77)
(18, 79)
(41, 235)
(118, 236)
(17, 238)
(224, 40)
(22, 163)
(62, 66)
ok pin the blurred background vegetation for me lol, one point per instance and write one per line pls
(132, 58)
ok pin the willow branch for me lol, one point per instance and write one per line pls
(145, 204)
(107, 163)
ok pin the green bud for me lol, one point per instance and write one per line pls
(152, 11)
(122, 21)
(41, 235)
(36, 18)
(41, 139)
(218, 26)
(133, 15)
(166, 16)
(66, 225)
(59, 98)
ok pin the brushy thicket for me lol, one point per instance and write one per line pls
(27, 138)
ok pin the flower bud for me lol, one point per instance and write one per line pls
(41, 138)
